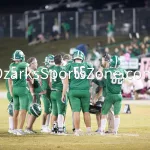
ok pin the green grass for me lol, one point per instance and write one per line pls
(8, 46)
(137, 123)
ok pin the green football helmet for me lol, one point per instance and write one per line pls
(114, 61)
(49, 60)
(10, 109)
(78, 55)
(18, 55)
(46, 61)
(51, 57)
(35, 109)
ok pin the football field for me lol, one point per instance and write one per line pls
(134, 133)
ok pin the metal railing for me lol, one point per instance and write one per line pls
(91, 23)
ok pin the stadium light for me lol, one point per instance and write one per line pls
(122, 11)
(46, 7)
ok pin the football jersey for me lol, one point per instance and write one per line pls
(43, 71)
(114, 80)
(18, 74)
(55, 77)
(101, 83)
(36, 84)
(78, 74)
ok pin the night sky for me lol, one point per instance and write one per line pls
(17, 6)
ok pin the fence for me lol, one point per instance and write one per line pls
(92, 23)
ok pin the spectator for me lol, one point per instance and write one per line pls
(127, 55)
(83, 48)
(122, 48)
(55, 31)
(110, 33)
(136, 50)
(106, 50)
(99, 48)
(143, 48)
(66, 29)
(30, 33)
(148, 46)
(116, 52)
(41, 38)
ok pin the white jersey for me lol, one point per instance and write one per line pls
(138, 84)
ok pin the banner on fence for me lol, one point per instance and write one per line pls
(132, 63)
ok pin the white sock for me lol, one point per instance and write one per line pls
(43, 126)
(116, 124)
(77, 130)
(11, 123)
(103, 125)
(60, 121)
(88, 129)
(48, 120)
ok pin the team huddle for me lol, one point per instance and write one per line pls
(61, 81)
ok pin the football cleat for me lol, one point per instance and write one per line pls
(14, 131)
(108, 132)
(45, 130)
(61, 133)
(10, 131)
(20, 132)
(115, 133)
(78, 132)
(28, 131)
(101, 132)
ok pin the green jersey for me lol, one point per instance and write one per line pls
(43, 71)
(66, 26)
(30, 30)
(55, 76)
(110, 28)
(78, 74)
(114, 79)
(36, 84)
(101, 83)
(18, 74)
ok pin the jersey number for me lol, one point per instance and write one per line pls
(79, 72)
(116, 81)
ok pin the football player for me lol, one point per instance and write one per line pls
(102, 92)
(79, 86)
(18, 90)
(113, 80)
(44, 80)
(34, 93)
(66, 60)
(10, 106)
(58, 107)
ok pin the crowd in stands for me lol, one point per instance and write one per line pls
(131, 49)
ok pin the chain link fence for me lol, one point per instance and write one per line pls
(93, 23)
